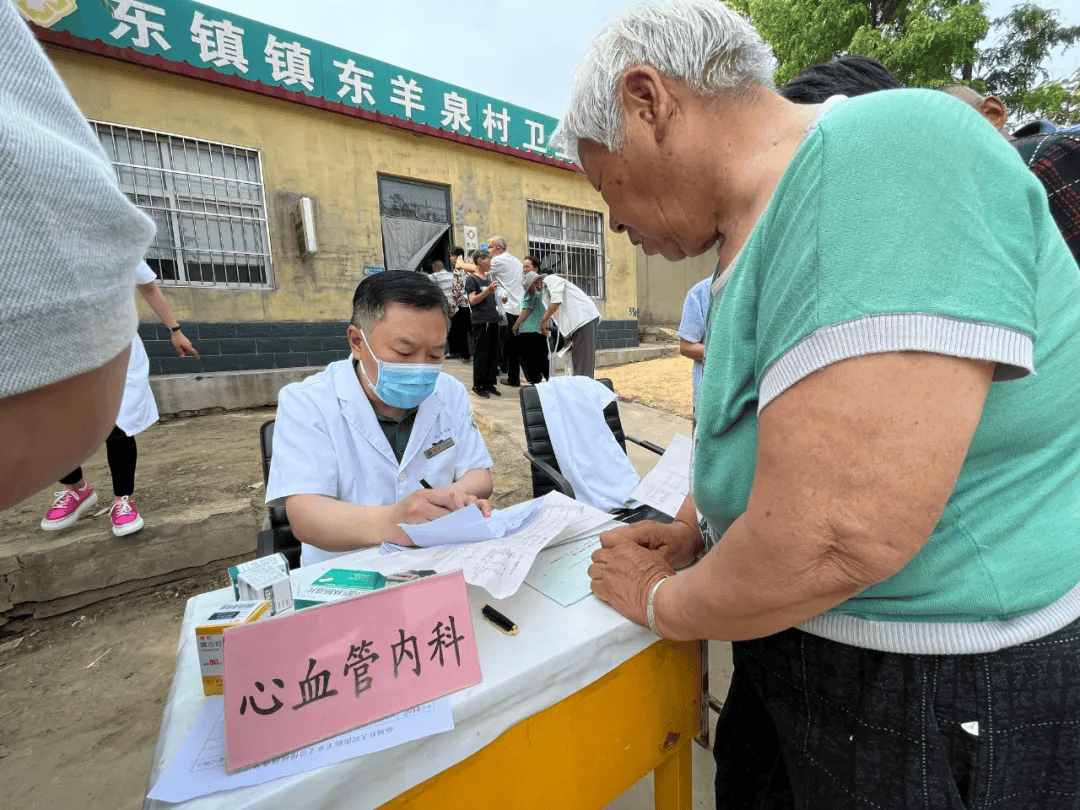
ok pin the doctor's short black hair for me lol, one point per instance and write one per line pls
(406, 287)
(848, 75)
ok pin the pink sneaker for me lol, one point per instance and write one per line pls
(68, 507)
(124, 516)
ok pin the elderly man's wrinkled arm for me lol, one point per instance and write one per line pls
(854, 467)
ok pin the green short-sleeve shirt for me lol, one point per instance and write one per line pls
(906, 223)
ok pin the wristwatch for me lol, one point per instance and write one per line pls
(174, 328)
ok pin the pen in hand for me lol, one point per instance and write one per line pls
(425, 484)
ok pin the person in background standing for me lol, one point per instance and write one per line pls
(532, 346)
(138, 411)
(461, 322)
(692, 329)
(485, 327)
(573, 311)
(506, 270)
(445, 279)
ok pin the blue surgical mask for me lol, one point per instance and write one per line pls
(402, 385)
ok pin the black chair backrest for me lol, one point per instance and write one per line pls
(266, 444)
(538, 441)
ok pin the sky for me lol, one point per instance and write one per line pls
(521, 52)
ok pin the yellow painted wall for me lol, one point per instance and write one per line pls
(662, 285)
(334, 159)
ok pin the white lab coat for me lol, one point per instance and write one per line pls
(138, 409)
(328, 441)
(576, 309)
(589, 456)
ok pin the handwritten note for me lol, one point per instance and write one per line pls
(198, 767)
(469, 525)
(666, 485)
(302, 678)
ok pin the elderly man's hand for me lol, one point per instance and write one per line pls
(678, 542)
(624, 572)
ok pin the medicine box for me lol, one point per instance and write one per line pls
(272, 561)
(209, 635)
(337, 583)
(269, 584)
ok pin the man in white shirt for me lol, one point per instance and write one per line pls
(574, 313)
(357, 445)
(445, 279)
(506, 270)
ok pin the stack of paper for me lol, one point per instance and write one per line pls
(500, 565)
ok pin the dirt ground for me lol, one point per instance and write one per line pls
(81, 694)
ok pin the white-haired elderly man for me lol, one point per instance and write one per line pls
(506, 270)
(896, 558)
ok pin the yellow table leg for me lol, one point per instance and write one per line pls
(672, 780)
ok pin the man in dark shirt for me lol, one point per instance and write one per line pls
(486, 322)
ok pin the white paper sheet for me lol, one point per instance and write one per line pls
(499, 566)
(469, 525)
(199, 765)
(585, 520)
(667, 483)
(562, 572)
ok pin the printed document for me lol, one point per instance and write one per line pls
(198, 768)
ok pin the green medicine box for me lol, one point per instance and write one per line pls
(337, 583)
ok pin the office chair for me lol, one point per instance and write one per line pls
(279, 537)
(547, 477)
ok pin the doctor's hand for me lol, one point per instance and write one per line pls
(677, 542)
(624, 572)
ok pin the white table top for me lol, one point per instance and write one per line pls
(557, 652)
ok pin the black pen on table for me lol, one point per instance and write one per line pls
(499, 620)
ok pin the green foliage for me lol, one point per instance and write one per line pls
(922, 42)
(925, 43)
(1013, 67)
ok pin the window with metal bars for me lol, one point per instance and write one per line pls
(569, 242)
(207, 201)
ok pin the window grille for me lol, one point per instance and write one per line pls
(569, 242)
(411, 199)
(208, 203)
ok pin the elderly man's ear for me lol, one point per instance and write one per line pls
(993, 109)
(648, 101)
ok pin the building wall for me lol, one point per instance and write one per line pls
(335, 160)
(662, 285)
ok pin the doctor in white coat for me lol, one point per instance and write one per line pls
(355, 444)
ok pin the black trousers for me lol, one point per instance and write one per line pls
(812, 724)
(459, 338)
(533, 352)
(123, 455)
(485, 366)
(511, 351)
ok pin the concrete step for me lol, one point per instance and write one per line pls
(56, 572)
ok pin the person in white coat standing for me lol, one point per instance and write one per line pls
(382, 438)
(138, 411)
(573, 312)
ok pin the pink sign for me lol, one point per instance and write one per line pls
(298, 679)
